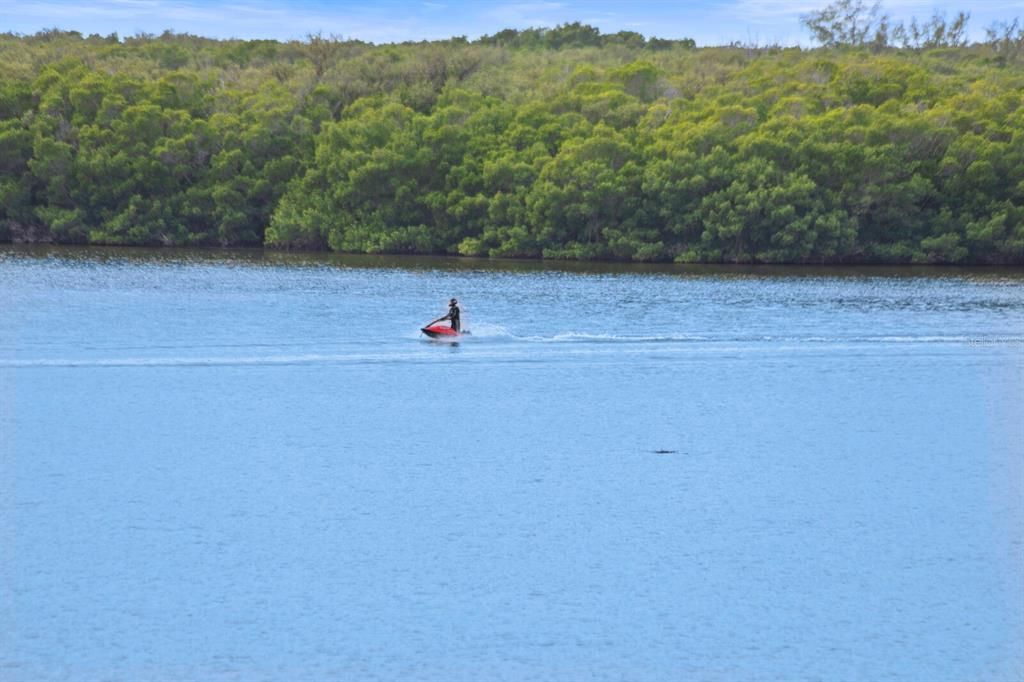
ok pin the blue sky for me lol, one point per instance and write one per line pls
(707, 21)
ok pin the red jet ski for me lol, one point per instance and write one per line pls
(439, 331)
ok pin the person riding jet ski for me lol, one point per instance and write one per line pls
(453, 316)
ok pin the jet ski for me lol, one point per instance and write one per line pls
(442, 331)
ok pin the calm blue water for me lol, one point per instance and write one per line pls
(235, 467)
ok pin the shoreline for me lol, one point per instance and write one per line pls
(317, 258)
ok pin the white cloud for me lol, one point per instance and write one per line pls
(252, 19)
(775, 9)
(779, 9)
(522, 14)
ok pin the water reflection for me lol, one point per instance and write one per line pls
(114, 255)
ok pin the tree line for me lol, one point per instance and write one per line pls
(557, 143)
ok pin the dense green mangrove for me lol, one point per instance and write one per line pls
(560, 143)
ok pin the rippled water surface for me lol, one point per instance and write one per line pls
(245, 467)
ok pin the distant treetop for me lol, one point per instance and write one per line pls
(576, 35)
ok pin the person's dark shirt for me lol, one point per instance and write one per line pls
(453, 315)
